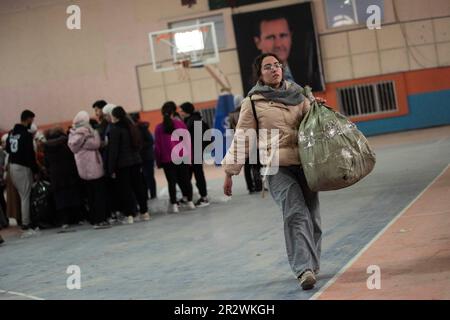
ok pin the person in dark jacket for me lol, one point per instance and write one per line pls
(104, 129)
(64, 178)
(125, 164)
(102, 121)
(22, 163)
(147, 154)
(191, 119)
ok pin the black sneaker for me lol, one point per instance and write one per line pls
(202, 202)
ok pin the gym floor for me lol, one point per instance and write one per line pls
(395, 221)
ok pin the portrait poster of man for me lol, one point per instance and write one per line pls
(286, 31)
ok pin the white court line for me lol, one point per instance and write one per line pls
(333, 280)
(21, 294)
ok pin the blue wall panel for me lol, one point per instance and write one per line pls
(425, 110)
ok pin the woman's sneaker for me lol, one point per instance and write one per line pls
(202, 202)
(307, 280)
(185, 203)
(173, 208)
(145, 216)
(190, 205)
(182, 202)
(30, 232)
(130, 220)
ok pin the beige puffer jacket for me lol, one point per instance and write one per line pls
(271, 115)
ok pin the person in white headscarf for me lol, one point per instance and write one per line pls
(107, 111)
(85, 142)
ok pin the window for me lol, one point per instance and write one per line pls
(189, 41)
(350, 12)
(218, 25)
(368, 99)
(208, 116)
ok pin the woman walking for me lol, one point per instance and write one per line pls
(279, 104)
(125, 165)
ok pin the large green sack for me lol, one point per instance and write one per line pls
(333, 152)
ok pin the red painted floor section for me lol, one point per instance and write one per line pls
(413, 254)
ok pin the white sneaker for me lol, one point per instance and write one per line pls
(307, 280)
(130, 220)
(145, 216)
(190, 205)
(173, 208)
(30, 233)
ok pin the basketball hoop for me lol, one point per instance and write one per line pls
(184, 47)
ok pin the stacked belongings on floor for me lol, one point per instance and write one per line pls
(333, 152)
(4, 221)
(42, 211)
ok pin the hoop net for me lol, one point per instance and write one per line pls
(182, 68)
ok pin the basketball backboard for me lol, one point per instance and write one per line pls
(195, 45)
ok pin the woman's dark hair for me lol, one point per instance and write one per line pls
(120, 114)
(93, 123)
(53, 133)
(257, 65)
(99, 104)
(168, 110)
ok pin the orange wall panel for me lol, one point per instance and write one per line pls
(406, 84)
(155, 116)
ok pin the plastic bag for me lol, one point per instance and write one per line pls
(333, 152)
(40, 205)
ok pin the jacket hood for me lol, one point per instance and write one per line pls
(56, 140)
(78, 137)
(19, 128)
(143, 124)
(195, 116)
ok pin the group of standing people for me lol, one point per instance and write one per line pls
(100, 170)
(87, 166)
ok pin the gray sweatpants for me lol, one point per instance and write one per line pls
(300, 208)
(22, 178)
